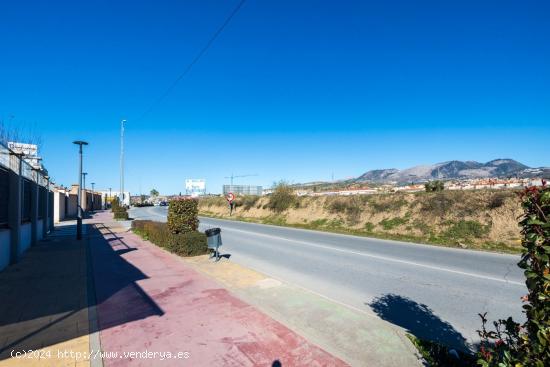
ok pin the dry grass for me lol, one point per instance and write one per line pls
(474, 219)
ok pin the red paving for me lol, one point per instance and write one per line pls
(150, 301)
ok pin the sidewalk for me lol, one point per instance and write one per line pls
(149, 304)
(148, 300)
(44, 305)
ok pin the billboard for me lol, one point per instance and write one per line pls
(30, 150)
(195, 187)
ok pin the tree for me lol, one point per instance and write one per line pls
(154, 192)
(282, 197)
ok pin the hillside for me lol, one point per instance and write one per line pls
(448, 170)
(451, 170)
(465, 219)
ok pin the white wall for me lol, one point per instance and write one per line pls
(5, 239)
(58, 206)
(26, 238)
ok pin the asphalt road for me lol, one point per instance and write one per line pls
(433, 292)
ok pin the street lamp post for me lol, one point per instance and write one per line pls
(110, 200)
(80, 143)
(93, 194)
(122, 161)
(84, 174)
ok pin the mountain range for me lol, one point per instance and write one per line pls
(498, 168)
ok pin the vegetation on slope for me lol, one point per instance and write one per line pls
(467, 219)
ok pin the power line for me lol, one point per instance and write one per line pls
(196, 59)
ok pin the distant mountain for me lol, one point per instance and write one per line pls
(454, 170)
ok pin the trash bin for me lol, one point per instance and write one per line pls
(214, 241)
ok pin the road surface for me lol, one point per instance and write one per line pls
(434, 292)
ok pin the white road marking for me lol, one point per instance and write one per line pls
(384, 258)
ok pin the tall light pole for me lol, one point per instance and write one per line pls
(80, 143)
(93, 194)
(122, 161)
(84, 174)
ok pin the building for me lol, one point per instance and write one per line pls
(242, 189)
(195, 187)
(108, 195)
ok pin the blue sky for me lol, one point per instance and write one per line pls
(293, 90)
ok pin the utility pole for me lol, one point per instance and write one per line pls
(79, 205)
(122, 161)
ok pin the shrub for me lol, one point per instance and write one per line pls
(183, 244)
(388, 224)
(369, 227)
(183, 215)
(115, 204)
(385, 203)
(352, 207)
(247, 201)
(282, 198)
(466, 229)
(512, 344)
(121, 214)
(438, 204)
(497, 200)
(434, 186)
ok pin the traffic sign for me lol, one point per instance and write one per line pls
(230, 197)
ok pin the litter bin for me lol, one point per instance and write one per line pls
(214, 241)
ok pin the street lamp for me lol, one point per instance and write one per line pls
(84, 174)
(122, 161)
(93, 194)
(80, 143)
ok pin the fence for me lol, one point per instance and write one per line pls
(26, 211)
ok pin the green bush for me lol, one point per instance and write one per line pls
(388, 224)
(434, 186)
(282, 198)
(369, 227)
(466, 229)
(182, 244)
(183, 215)
(512, 344)
(121, 214)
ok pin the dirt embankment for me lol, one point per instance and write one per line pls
(468, 219)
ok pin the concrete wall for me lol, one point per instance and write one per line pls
(72, 207)
(5, 241)
(59, 199)
(26, 237)
(40, 228)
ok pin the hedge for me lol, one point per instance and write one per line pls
(121, 214)
(183, 215)
(182, 244)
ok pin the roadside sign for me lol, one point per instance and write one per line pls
(230, 197)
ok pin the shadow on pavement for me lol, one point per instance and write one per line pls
(45, 297)
(418, 319)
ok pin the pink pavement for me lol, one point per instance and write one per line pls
(149, 301)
